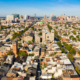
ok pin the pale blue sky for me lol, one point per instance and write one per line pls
(40, 7)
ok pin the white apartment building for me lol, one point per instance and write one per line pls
(10, 17)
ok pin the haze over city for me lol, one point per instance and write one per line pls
(40, 7)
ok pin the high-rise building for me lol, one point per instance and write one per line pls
(51, 14)
(32, 18)
(53, 18)
(10, 17)
(28, 17)
(16, 15)
(44, 16)
(15, 47)
(23, 17)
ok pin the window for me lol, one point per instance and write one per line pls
(47, 36)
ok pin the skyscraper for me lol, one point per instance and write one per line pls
(10, 17)
(16, 15)
(23, 17)
(44, 16)
(28, 17)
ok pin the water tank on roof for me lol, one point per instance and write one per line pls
(56, 75)
(58, 65)
(59, 72)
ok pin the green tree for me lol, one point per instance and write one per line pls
(20, 45)
(49, 27)
(72, 51)
(63, 50)
(74, 39)
(39, 29)
(32, 40)
(59, 44)
(55, 32)
(32, 28)
(74, 32)
(69, 47)
(40, 33)
(77, 36)
(10, 53)
(79, 52)
(31, 54)
(29, 42)
(52, 54)
(70, 56)
(71, 37)
(77, 70)
(22, 53)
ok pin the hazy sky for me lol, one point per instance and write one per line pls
(40, 7)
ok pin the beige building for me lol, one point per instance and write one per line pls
(46, 36)
(37, 37)
(27, 38)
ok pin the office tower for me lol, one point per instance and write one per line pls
(35, 17)
(28, 17)
(10, 18)
(16, 15)
(51, 14)
(53, 18)
(32, 18)
(44, 16)
(23, 17)
(15, 47)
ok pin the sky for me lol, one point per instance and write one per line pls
(40, 7)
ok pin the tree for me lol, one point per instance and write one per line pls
(32, 28)
(49, 27)
(22, 53)
(18, 34)
(29, 42)
(20, 45)
(31, 54)
(79, 52)
(40, 33)
(69, 47)
(52, 54)
(63, 50)
(59, 44)
(10, 53)
(39, 29)
(70, 56)
(74, 39)
(55, 33)
(77, 70)
(71, 37)
(74, 32)
(72, 51)
(32, 40)
(77, 36)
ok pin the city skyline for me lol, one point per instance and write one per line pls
(40, 7)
